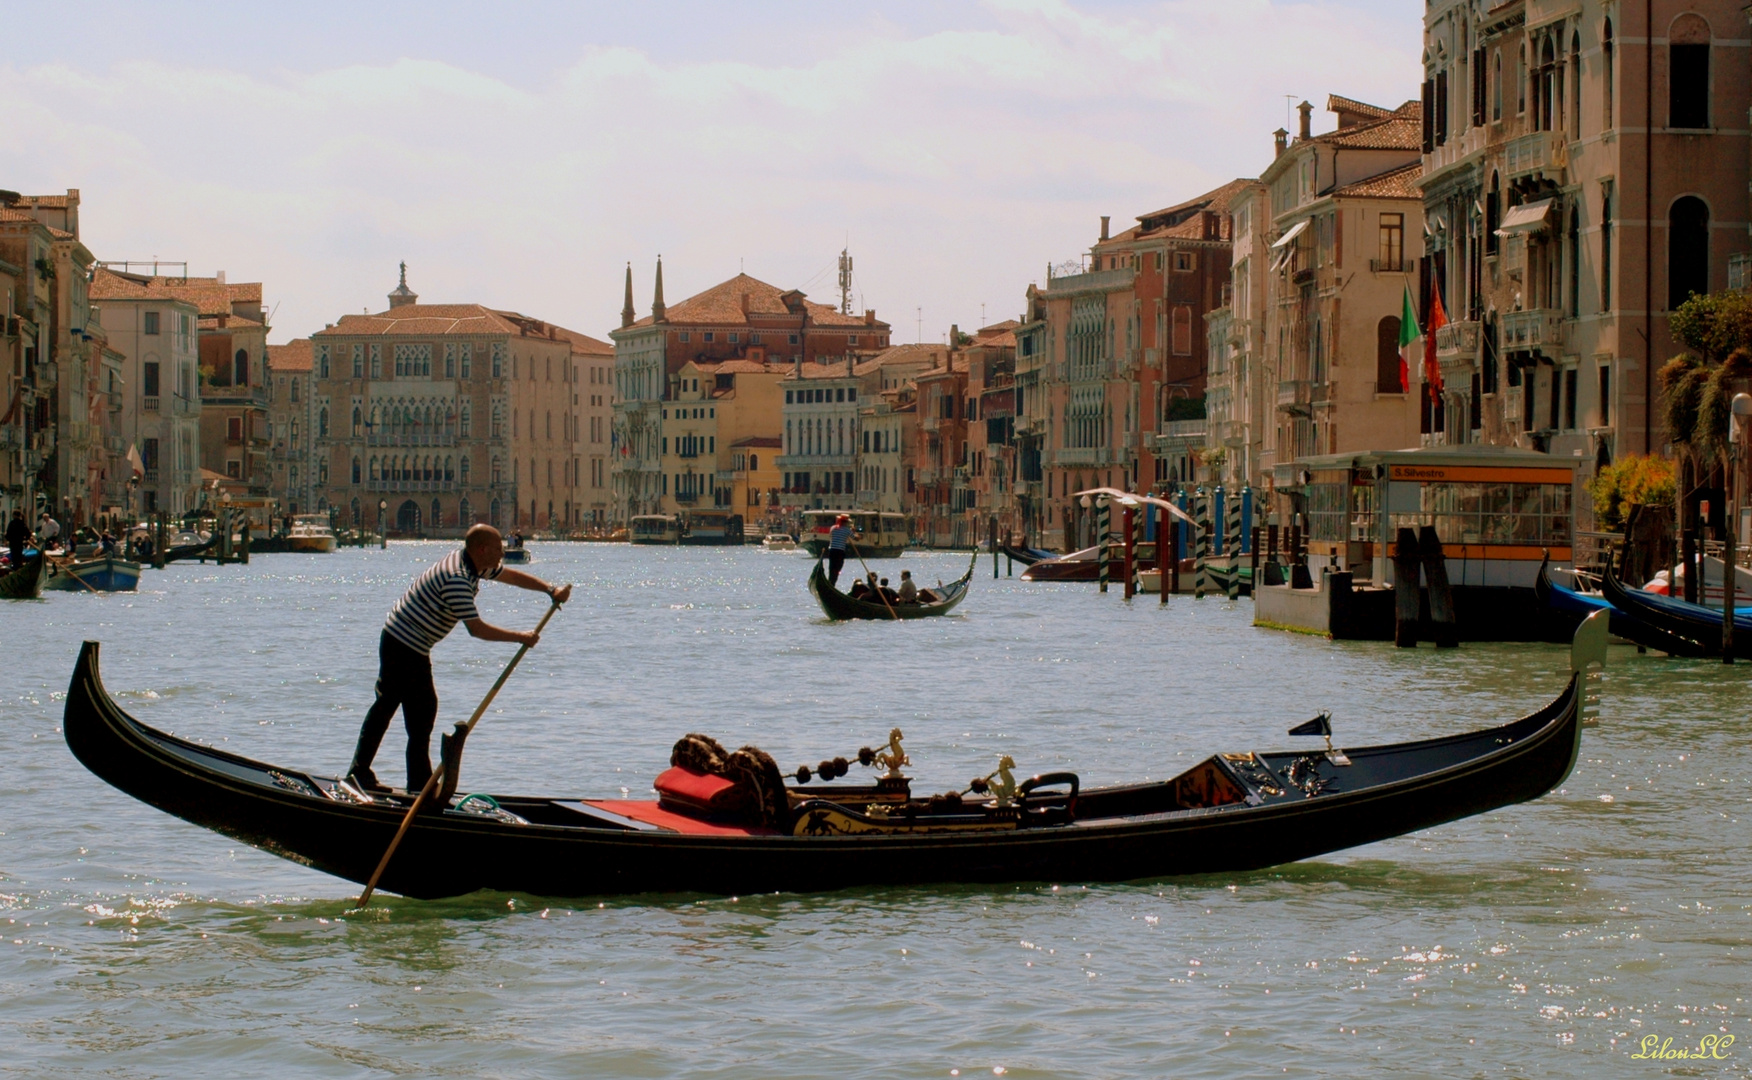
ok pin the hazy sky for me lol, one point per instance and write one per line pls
(521, 154)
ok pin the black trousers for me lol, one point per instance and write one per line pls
(836, 561)
(404, 681)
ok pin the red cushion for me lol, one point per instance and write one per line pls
(692, 789)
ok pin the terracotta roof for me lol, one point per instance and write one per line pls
(426, 320)
(53, 202)
(1401, 183)
(295, 355)
(7, 213)
(1338, 103)
(209, 296)
(916, 353)
(747, 367)
(1182, 219)
(212, 322)
(584, 344)
(723, 305)
(834, 370)
(1400, 130)
(60, 234)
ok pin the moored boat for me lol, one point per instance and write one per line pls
(1694, 622)
(655, 529)
(839, 605)
(1580, 605)
(310, 532)
(105, 573)
(778, 542)
(1230, 812)
(25, 581)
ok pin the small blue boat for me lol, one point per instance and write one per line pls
(1623, 623)
(106, 573)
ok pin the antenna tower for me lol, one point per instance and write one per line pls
(845, 281)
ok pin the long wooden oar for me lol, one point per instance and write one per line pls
(438, 773)
(868, 575)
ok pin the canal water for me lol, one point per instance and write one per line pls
(1549, 938)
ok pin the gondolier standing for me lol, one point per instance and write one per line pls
(438, 599)
(837, 538)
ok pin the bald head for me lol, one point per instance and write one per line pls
(484, 546)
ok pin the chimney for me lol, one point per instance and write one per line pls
(1281, 139)
(869, 316)
(628, 313)
(219, 276)
(1104, 220)
(849, 366)
(797, 365)
(1307, 124)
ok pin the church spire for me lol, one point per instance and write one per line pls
(657, 308)
(403, 294)
(627, 312)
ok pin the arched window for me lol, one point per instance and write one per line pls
(240, 368)
(357, 421)
(374, 467)
(1521, 81)
(465, 469)
(1496, 86)
(464, 512)
(498, 475)
(449, 468)
(1687, 250)
(1573, 252)
(1608, 77)
(467, 424)
(321, 471)
(354, 507)
(495, 512)
(1548, 88)
(355, 470)
(322, 429)
(753, 462)
(1387, 356)
(437, 515)
(1688, 72)
(1575, 85)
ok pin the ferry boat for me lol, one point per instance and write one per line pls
(310, 532)
(885, 534)
(711, 527)
(655, 529)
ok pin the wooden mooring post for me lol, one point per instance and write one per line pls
(1406, 594)
(1435, 567)
(158, 544)
(1127, 521)
(1101, 541)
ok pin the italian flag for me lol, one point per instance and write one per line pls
(1408, 335)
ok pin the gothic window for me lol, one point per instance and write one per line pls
(358, 361)
(355, 470)
(1687, 250)
(322, 425)
(240, 369)
(1688, 73)
(356, 421)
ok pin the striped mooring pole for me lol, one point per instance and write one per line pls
(1232, 542)
(1201, 573)
(1101, 546)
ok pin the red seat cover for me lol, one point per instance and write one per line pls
(693, 789)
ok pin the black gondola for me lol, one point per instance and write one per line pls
(1025, 555)
(839, 605)
(192, 551)
(23, 582)
(1624, 624)
(1680, 618)
(1229, 813)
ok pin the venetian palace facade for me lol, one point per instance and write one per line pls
(440, 416)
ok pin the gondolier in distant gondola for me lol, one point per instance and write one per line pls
(838, 537)
(438, 599)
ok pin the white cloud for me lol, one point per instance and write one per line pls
(959, 162)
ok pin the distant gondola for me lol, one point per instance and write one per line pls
(1679, 618)
(1024, 554)
(1228, 813)
(23, 582)
(1567, 601)
(839, 605)
(192, 551)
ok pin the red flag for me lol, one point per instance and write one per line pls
(1438, 319)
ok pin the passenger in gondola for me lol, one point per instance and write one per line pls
(838, 537)
(888, 594)
(864, 588)
(438, 599)
(909, 592)
(17, 535)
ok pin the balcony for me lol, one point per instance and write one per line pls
(410, 485)
(1085, 455)
(1390, 266)
(1093, 281)
(1457, 339)
(1538, 329)
(1541, 151)
(410, 440)
(687, 498)
(1294, 396)
(149, 404)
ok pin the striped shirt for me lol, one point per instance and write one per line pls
(836, 539)
(437, 600)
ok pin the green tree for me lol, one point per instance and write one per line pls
(1630, 481)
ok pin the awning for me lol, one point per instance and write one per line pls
(1529, 217)
(1295, 231)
